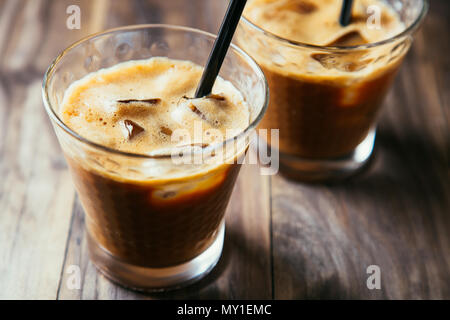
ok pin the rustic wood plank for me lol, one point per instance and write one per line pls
(26, 35)
(36, 192)
(205, 15)
(58, 36)
(395, 215)
(35, 188)
(9, 11)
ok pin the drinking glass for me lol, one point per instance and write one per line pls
(152, 223)
(327, 124)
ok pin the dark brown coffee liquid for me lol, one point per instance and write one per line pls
(313, 123)
(140, 225)
(143, 211)
(324, 102)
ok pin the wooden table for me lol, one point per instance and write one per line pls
(284, 240)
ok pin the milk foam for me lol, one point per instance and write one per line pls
(105, 107)
(316, 22)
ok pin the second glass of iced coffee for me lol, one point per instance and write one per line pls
(327, 82)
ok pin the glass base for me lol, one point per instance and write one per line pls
(156, 279)
(312, 170)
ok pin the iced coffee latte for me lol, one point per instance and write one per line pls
(327, 81)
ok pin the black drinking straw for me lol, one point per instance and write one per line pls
(220, 47)
(346, 12)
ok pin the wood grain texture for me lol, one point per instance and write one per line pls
(34, 187)
(284, 240)
(394, 215)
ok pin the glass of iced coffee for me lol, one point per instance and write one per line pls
(327, 82)
(154, 168)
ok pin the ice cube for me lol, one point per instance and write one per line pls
(352, 38)
(194, 109)
(343, 62)
(165, 130)
(131, 129)
(328, 61)
(300, 6)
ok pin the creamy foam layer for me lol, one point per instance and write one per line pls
(145, 107)
(316, 21)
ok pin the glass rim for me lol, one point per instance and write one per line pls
(56, 119)
(410, 29)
